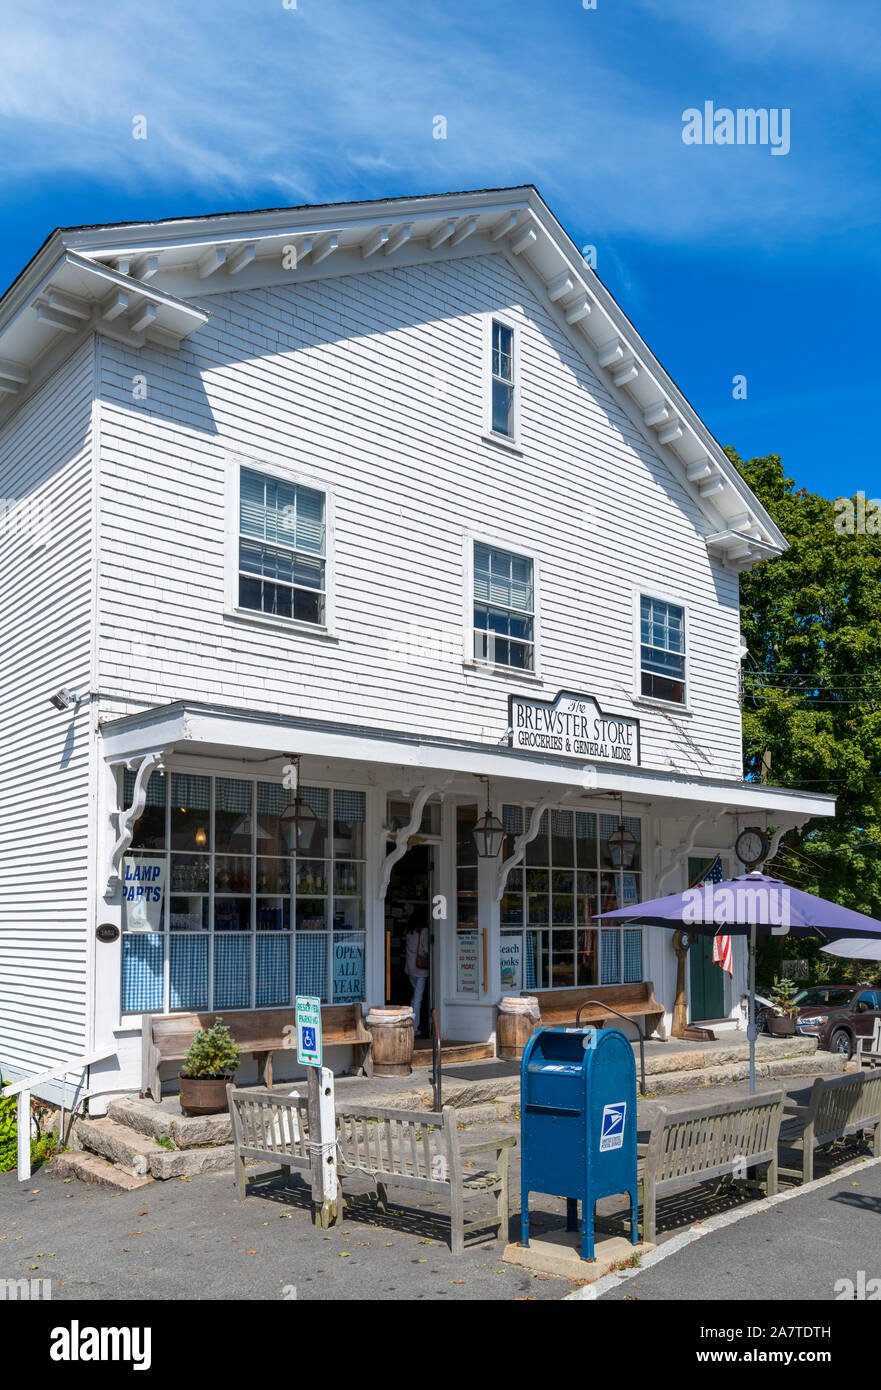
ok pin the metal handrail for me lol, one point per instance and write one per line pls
(23, 1090)
(601, 1004)
(436, 1062)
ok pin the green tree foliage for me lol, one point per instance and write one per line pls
(812, 685)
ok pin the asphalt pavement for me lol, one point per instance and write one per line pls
(820, 1245)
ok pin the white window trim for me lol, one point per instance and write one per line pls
(510, 441)
(469, 660)
(665, 596)
(235, 462)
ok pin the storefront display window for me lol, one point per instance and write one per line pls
(219, 913)
(550, 938)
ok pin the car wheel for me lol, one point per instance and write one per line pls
(841, 1042)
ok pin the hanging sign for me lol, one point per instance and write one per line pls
(348, 970)
(572, 726)
(143, 892)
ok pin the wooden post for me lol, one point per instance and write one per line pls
(322, 1147)
(680, 1007)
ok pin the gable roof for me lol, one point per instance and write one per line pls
(151, 282)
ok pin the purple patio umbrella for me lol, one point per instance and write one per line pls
(751, 905)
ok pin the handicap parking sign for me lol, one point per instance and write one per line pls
(308, 1031)
(612, 1131)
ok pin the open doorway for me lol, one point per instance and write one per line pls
(408, 904)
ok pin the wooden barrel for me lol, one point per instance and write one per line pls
(392, 1031)
(518, 1019)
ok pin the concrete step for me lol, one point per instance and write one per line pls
(185, 1131)
(95, 1171)
(455, 1052)
(818, 1064)
(126, 1148)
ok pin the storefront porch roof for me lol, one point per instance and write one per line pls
(196, 730)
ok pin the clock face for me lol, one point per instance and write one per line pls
(751, 846)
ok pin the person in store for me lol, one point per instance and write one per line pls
(416, 962)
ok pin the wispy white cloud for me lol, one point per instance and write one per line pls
(335, 99)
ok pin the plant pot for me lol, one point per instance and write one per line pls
(781, 1027)
(203, 1095)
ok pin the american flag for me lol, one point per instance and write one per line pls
(722, 954)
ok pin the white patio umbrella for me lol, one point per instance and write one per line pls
(854, 948)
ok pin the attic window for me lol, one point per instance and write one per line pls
(502, 418)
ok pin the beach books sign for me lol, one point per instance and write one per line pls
(573, 726)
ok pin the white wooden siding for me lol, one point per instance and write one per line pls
(45, 631)
(373, 384)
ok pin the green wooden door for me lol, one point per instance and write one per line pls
(707, 978)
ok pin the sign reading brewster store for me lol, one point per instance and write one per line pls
(574, 726)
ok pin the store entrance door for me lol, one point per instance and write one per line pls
(408, 905)
(706, 977)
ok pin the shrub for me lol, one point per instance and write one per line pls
(211, 1054)
(782, 994)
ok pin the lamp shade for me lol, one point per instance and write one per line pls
(489, 835)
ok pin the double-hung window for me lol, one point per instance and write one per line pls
(504, 608)
(281, 548)
(662, 650)
(502, 405)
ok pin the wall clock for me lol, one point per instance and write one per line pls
(751, 846)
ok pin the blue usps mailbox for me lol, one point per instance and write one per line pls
(578, 1123)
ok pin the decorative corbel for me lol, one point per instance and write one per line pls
(684, 850)
(402, 836)
(125, 820)
(522, 841)
(777, 836)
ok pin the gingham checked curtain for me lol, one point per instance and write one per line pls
(273, 970)
(155, 789)
(311, 966)
(190, 790)
(232, 794)
(232, 971)
(188, 971)
(142, 972)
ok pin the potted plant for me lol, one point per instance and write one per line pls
(781, 1023)
(209, 1066)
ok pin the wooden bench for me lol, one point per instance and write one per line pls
(687, 1147)
(838, 1106)
(404, 1148)
(259, 1033)
(869, 1049)
(559, 1007)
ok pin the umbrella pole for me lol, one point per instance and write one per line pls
(751, 1026)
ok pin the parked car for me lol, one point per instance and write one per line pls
(836, 1014)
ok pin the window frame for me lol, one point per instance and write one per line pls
(597, 871)
(133, 1019)
(283, 473)
(495, 542)
(660, 595)
(510, 441)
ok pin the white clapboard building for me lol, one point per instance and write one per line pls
(325, 531)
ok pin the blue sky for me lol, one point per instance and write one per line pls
(730, 260)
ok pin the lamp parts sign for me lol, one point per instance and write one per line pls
(574, 726)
